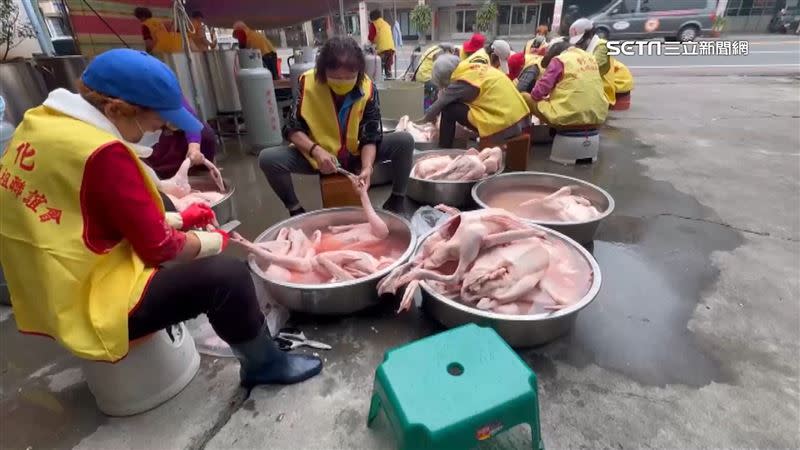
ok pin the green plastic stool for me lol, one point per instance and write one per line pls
(454, 390)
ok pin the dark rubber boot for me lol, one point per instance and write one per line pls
(263, 363)
(396, 204)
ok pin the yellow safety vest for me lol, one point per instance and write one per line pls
(258, 41)
(383, 35)
(59, 286)
(319, 111)
(499, 105)
(165, 41)
(480, 56)
(532, 60)
(425, 68)
(623, 79)
(578, 98)
(608, 78)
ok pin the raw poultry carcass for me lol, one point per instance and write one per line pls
(421, 133)
(472, 165)
(516, 269)
(206, 198)
(342, 252)
(541, 203)
(562, 205)
(461, 238)
(178, 185)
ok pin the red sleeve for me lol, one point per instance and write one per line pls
(117, 205)
(240, 36)
(372, 32)
(146, 33)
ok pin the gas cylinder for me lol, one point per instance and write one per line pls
(250, 58)
(373, 67)
(259, 108)
(305, 60)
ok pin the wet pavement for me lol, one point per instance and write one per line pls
(693, 340)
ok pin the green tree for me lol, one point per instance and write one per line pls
(14, 28)
(421, 18)
(486, 16)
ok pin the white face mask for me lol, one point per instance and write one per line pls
(149, 138)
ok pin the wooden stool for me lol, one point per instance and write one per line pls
(516, 150)
(337, 190)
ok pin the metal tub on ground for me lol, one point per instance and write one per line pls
(340, 298)
(434, 192)
(582, 232)
(517, 330)
(224, 209)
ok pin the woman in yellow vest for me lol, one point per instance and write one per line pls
(570, 92)
(157, 37)
(582, 35)
(524, 69)
(83, 232)
(248, 38)
(479, 97)
(473, 50)
(336, 122)
(422, 74)
(380, 34)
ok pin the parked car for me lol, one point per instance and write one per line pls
(785, 20)
(684, 20)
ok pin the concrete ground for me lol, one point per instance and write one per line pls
(693, 340)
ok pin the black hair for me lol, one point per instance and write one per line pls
(340, 51)
(142, 13)
(375, 14)
(555, 50)
(198, 15)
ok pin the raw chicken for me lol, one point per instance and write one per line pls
(501, 264)
(342, 252)
(216, 175)
(178, 185)
(206, 198)
(470, 166)
(421, 133)
(461, 239)
(563, 205)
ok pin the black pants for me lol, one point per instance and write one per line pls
(271, 62)
(452, 114)
(218, 286)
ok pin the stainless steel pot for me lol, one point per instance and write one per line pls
(61, 71)
(580, 231)
(22, 88)
(517, 330)
(225, 210)
(433, 192)
(222, 65)
(335, 298)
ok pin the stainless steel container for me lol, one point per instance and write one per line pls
(225, 209)
(340, 298)
(22, 87)
(61, 71)
(517, 330)
(432, 192)
(222, 67)
(580, 231)
(180, 65)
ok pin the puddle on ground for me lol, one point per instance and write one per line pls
(655, 267)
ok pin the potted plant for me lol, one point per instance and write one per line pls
(718, 25)
(13, 28)
(486, 18)
(421, 18)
